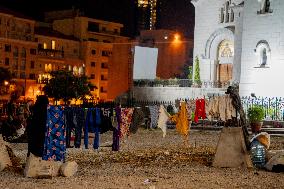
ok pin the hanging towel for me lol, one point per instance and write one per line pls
(116, 121)
(181, 119)
(55, 137)
(126, 119)
(163, 118)
(154, 113)
(199, 110)
(137, 120)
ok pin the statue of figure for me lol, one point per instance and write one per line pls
(264, 57)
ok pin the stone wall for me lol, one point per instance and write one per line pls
(172, 93)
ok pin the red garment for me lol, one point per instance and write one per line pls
(199, 110)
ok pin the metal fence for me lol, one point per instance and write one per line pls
(178, 83)
(273, 107)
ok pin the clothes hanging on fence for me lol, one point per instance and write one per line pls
(126, 119)
(70, 125)
(116, 122)
(36, 130)
(220, 107)
(154, 113)
(92, 124)
(190, 107)
(163, 118)
(181, 119)
(199, 110)
(106, 125)
(137, 120)
(55, 137)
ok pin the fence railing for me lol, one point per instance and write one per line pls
(273, 107)
(179, 83)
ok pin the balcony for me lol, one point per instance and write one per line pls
(51, 53)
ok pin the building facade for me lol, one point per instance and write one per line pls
(30, 50)
(174, 51)
(241, 41)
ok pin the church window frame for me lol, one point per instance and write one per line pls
(263, 53)
(226, 13)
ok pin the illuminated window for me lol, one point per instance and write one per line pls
(53, 45)
(44, 46)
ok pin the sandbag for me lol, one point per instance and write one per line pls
(5, 160)
(38, 168)
(276, 160)
(69, 169)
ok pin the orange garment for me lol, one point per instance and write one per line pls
(181, 120)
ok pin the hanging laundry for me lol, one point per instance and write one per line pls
(199, 110)
(137, 120)
(154, 113)
(36, 130)
(126, 119)
(190, 107)
(116, 121)
(55, 138)
(182, 120)
(163, 118)
(106, 125)
(79, 121)
(69, 123)
(92, 124)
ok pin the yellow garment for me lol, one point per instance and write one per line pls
(181, 120)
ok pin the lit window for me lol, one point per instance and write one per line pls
(53, 45)
(44, 46)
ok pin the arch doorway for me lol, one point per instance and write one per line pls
(225, 57)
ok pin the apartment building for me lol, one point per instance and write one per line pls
(30, 50)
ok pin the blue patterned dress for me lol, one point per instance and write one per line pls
(55, 136)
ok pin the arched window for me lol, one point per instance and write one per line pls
(226, 49)
(263, 53)
(226, 13)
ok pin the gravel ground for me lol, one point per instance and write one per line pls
(147, 160)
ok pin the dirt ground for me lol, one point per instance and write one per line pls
(147, 160)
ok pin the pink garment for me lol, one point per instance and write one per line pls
(126, 118)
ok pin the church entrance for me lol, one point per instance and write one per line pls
(225, 61)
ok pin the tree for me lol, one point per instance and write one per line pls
(64, 85)
(197, 72)
(186, 70)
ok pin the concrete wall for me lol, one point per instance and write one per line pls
(172, 93)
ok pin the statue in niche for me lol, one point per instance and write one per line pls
(264, 6)
(263, 58)
(227, 52)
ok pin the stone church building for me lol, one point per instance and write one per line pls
(241, 41)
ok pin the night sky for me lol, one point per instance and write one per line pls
(177, 14)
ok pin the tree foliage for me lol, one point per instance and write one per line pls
(197, 71)
(64, 85)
